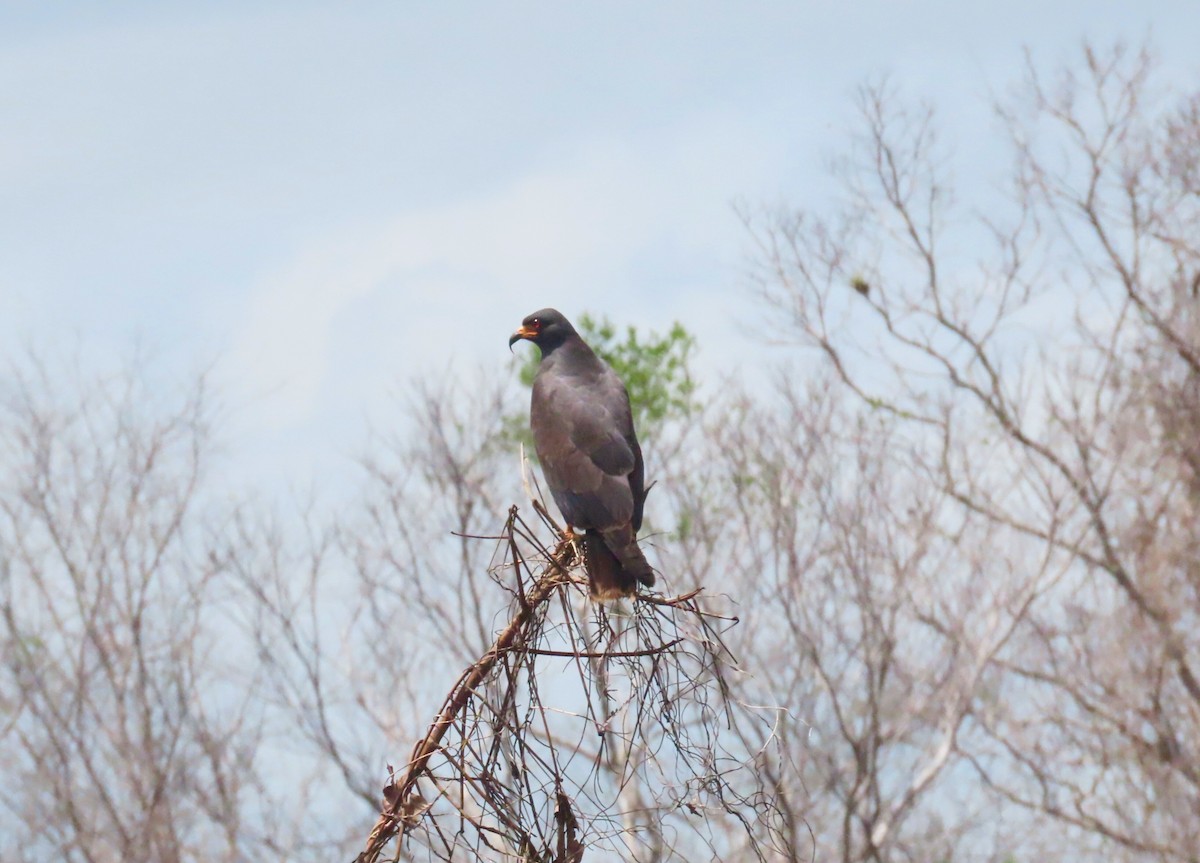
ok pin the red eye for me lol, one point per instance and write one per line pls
(535, 324)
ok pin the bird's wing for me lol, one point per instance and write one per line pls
(637, 486)
(583, 434)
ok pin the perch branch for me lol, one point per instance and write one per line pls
(400, 808)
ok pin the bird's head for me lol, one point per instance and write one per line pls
(547, 329)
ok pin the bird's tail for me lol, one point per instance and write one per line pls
(615, 564)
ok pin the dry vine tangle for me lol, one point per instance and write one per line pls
(586, 727)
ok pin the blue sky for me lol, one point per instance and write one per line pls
(328, 199)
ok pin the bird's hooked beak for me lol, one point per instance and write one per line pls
(522, 333)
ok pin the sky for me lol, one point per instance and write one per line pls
(324, 201)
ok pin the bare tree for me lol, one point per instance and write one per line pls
(871, 622)
(124, 738)
(1029, 540)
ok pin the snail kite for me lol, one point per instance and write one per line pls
(583, 434)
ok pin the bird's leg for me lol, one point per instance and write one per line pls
(576, 542)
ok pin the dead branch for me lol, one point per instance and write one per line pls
(504, 762)
(398, 808)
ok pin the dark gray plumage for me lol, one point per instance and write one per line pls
(583, 434)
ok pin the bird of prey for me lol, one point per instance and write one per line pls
(583, 435)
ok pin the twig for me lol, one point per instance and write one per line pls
(607, 654)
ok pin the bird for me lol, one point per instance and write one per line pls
(584, 438)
